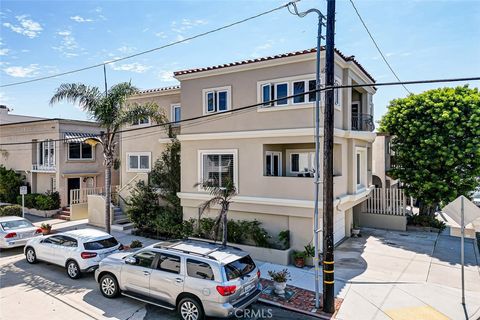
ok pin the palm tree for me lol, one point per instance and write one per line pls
(112, 112)
(222, 196)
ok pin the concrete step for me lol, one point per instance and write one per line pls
(121, 221)
(122, 226)
(65, 213)
(64, 217)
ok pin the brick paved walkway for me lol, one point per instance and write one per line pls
(296, 299)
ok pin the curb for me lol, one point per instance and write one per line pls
(312, 314)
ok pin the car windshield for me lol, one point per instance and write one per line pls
(239, 268)
(101, 244)
(16, 224)
(476, 194)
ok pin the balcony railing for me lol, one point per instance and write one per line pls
(43, 168)
(363, 122)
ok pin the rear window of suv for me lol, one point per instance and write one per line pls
(239, 268)
(101, 244)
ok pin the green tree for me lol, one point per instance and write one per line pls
(112, 112)
(221, 196)
(143, 207)
(10, 183)
(436, 143)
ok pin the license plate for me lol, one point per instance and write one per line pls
(250, 287)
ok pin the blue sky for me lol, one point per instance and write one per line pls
(421, 39)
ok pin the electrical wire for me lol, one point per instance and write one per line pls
(149, 50)
(218, 116)
(377, 46)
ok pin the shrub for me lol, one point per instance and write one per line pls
(284, 238)
(426, 221)
(40, 201)
(136, 244)
(279, 276)
(13, 210)
(10, 183)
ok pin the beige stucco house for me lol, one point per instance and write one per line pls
(268, 150)
(56, 157)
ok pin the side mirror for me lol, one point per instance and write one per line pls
(131, 260)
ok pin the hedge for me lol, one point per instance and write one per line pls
(13, 210)
(39, 201)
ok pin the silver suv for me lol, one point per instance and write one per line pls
(198, 278)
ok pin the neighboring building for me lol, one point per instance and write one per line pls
(140, 149)
(7, 117)
(49, 164)
(268, 150)
(383, 160)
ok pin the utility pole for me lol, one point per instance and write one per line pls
(316, 228)
(328, 259)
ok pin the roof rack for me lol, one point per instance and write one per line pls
(173, 243)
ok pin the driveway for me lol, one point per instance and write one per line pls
(43, 291)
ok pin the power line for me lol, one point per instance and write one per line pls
(149, 50)
(217, 116)
(376, 45)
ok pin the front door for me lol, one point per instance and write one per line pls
(72, 183)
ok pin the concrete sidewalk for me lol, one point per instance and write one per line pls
(400, 275)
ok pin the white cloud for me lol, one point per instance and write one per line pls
(132, 67)
(161, 34)
(68, 46)
(166, 75)
(81, 19)
(4, 98)
(186, 24)
(22, 72)
(4, 51)
(258, 50)
(27, 27)
(126, 49)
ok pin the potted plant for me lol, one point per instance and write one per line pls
(279, 280)
(136, 244)
(356, 230)
(299, 259)
(46, 228)
(309, 254)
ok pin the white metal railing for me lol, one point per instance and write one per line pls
(81, 195)
(386, 201)
(44, 167)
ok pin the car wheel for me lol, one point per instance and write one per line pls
(109, 286)
(31, 256)
(73, 270)
(190, 309)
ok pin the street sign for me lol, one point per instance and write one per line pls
(23, 190)
(454, 210)
(462, 211)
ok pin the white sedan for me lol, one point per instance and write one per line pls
(16, 231)
(78, 250)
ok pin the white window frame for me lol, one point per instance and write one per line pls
(81, 158)
(305, 89)
(49, 145)
(172, 112)
(216, 91)
(137, 123)
(202, 153)
(272, 154)
(337, 94)
(276, 93)
(290, 152)
(138, 154)
(362, 152)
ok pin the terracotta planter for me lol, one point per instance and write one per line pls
(300, 262)
(279, 287)
(46, 231)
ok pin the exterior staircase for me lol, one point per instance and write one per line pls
(120, 220)
(64, 214)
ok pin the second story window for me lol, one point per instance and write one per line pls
(275, 91)
(80, 151)
(176, 113)
(216, 99)
(217, 167)
(46, 153)
(145, 120)
(138, 161)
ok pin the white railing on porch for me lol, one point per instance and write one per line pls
(386, 201)
(81, 195)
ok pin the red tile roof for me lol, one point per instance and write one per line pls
(278, 56)
(159, 89)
